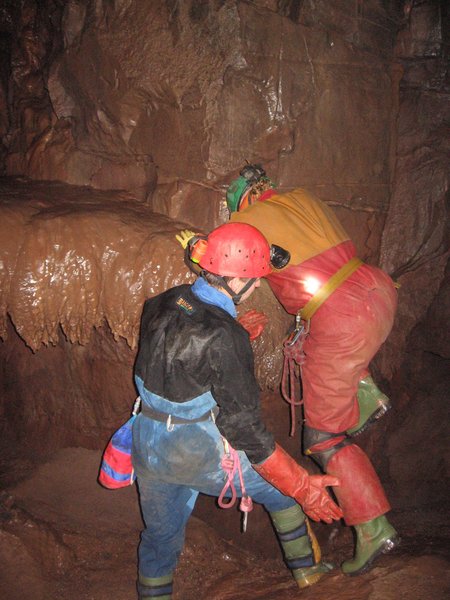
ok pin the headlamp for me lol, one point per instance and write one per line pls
(279, 257)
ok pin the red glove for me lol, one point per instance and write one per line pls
(284, 473)
(317, 503)
(253, 322)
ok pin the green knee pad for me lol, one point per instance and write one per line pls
(300, 546)
(155, 588)
(299, 543)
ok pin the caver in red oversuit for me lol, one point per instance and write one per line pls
(354, 307)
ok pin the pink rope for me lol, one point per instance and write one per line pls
(230, 464)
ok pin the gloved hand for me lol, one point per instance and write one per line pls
(315, 500)
(284, 473)
(253, 322)
(184, 237)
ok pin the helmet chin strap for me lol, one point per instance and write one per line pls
(236, 297)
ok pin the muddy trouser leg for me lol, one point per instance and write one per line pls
(166, 506)
(166, 509)
(345, 334)
(300, 547)
(364, 504)
(360, 495)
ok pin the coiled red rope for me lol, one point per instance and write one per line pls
(291, 379)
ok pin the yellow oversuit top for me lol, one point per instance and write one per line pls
(297, 221)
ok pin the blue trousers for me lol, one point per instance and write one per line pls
(173, 465)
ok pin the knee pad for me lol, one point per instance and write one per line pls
(322, 445)
(152, 587)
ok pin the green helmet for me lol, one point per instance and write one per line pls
(236, 190)
(248, 176)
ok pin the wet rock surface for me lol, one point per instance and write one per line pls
(75, 261)
(76, 267)
(178, 95)
(64, 536)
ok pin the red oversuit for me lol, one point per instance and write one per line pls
(345, 332)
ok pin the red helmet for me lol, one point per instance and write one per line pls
(236, 250)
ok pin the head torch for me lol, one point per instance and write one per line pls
(279, 257)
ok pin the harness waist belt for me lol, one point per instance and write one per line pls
(163, 417)
(329, 287)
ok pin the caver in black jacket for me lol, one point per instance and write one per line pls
(188, 347)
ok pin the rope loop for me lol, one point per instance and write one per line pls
(294, 358)
(230, 464)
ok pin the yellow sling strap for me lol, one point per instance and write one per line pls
(329, 287)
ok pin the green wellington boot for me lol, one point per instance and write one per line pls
(300, 546)
(373, 404)
(372, 539)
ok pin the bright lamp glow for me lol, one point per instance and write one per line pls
(311, 285)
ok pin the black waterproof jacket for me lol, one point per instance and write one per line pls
(188, 347)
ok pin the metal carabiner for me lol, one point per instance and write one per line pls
(299, 328)
(169, 425)
(295, 335)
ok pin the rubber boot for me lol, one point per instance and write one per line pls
(300, 546)
(155, 588)
(373, 405)
(373, 538)
(364, 504)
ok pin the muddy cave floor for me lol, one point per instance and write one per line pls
(62, 536)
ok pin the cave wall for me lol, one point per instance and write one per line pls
(168, 99)
(76, 267)
(165, 101)
(415, 240)
(417, 451)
